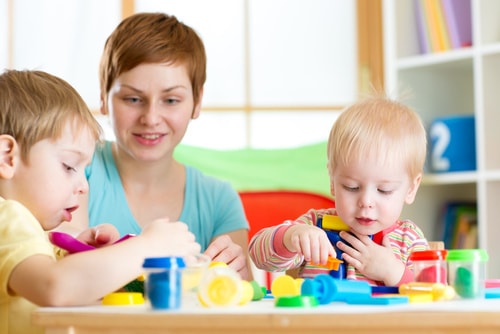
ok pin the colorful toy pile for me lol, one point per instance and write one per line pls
(440, 275)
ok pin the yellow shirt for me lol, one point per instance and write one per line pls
(21, 236)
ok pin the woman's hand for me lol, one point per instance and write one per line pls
(223, 249)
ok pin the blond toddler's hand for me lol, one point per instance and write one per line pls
(376, 262)
(309, 241)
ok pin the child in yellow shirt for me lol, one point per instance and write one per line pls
(47, 137)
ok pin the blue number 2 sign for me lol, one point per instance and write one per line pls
(440, 137)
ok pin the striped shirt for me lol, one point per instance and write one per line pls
(268, 252)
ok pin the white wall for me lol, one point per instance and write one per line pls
(299, 54)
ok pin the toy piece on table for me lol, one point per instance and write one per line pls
(384, 290)
(163, 281)
(259, 292)
(492, 283)
(196, 266)
(332, 263)
(430, 266)
(222, 286)
(466, 283)
(492, 293)
(136, 285)
(467, 271)
(327, 289)
(389, 299)
(123, 299)
(333, 225)
(432, 274)
(296, 301)
(437, 291)
(286, 285)
(73, 245)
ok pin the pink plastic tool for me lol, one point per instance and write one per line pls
(73, 245)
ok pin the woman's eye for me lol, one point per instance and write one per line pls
(171, 101)
(69, 168)
(132, 99)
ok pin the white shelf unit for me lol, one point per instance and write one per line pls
(458, 81)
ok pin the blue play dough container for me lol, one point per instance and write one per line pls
(452, 144)
(163, 281)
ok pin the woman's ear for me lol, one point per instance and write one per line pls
(102, 104)
(8, 151)
(197, 107)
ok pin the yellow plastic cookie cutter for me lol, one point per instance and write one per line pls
(123, 298)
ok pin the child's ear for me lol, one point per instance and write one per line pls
(412, 191)
(8, 149)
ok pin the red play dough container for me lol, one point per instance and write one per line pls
(430, 266)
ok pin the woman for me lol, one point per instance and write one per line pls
(152, 73)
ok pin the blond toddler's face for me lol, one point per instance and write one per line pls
(50, 182)
(369, 195)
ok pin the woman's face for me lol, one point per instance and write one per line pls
(150, 107)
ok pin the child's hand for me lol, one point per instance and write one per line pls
(223, 249)
(165, 238)
(309, 241)
(374, 261)
(100, 235)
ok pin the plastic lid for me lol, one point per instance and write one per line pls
(171, 262)
(467, 255)
(220, 290)
(429, 255)
(296, 301)
(123, 298)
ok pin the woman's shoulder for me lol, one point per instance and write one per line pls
(103, 166)
(103, 150)
(200, 178)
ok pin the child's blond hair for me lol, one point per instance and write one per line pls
(35, 105)
(378, 125)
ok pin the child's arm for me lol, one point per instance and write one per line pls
(100, 235)
(282, 247)
(267, 251)
(310, 241)
(85, 277)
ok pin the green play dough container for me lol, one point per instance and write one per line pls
(467, 272)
